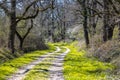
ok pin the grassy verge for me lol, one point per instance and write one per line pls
(9, 67)
(41, 71)
(79, 67)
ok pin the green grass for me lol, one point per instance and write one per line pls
(60, 44)
(76, 67)
(79, 67)
(9, 67)
(41, 71)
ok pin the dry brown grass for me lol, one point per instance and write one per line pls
(108, 52)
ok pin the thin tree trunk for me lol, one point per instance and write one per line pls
(86, 35)
(94, 18)
(106, 19)
(110, 32)
(21, 44)
(21, 39)
(119, 30)
(107, 28)
(53, 26)
(13, 25)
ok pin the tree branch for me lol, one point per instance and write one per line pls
(29, 29)
(2, 6)
(114, 7)
(32, 16)
(18, 35)
(28, 7)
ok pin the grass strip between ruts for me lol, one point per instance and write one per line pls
(41, 71)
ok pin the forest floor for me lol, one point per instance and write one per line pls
(66, 63)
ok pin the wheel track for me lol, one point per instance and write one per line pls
(21, 73)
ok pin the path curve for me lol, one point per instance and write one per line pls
(56, 70)
(21, 73)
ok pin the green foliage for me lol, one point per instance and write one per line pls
(51, 46)
(60, 44)
(79, 67)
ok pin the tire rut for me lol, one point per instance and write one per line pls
(21, 73)
(56, 70)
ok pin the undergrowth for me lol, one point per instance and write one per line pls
(79, 67)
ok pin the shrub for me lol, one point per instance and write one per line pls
(5, 55)
(107, 51)
(110, 52)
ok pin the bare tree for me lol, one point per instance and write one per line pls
(10, 7)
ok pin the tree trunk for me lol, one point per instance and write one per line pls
(106, 19)
(21, 44)
(94, 20)
(119, 30)
(86, 35)
(53, 26)
(13, 25)
(107, 28)
(105, 33)
(110, 33)
(21, 39)
(63, 31)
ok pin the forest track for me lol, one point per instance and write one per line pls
(21, 73)
(56, 70)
